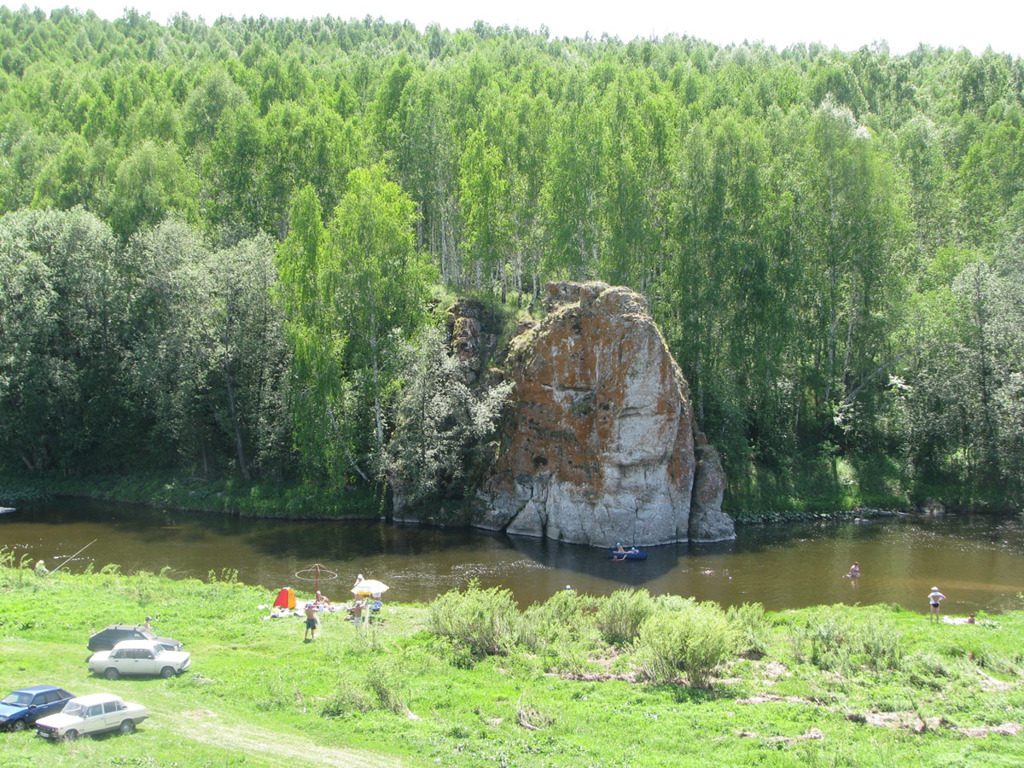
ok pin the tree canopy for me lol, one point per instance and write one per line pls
(218, 241)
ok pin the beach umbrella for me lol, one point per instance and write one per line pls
(369, 587)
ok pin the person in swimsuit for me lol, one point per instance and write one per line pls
(310, 621)
(854, 571)
(357, 611)
(935, 599)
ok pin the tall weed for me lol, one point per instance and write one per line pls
(694, 639)
(388, 685)
(563, 619)
(832, 639)
(484, 621)
(882, 644)
(349, 699)
(620, 615)
(748, 619)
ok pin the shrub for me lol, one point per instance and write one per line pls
(621, 614)
(564, 618)
(694, 639)
(483, 620)
(347, 700)
(882, 643)
(832, 640)
(748, 619)
(388, 685)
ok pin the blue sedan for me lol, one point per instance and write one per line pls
(21, 708)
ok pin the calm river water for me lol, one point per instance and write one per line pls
(977, 561)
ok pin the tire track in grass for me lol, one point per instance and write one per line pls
(284, 748)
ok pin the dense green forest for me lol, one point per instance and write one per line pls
(226, 248)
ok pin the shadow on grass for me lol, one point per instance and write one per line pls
(685, 694)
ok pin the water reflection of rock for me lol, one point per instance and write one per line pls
(585, 560)
(978, 558)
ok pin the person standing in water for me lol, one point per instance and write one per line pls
(854, 571)
(935, 599)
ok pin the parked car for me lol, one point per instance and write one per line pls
(107, 638)
(95, 713)
(20, 708)
(139, 657)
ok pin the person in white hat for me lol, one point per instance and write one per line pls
(935, 599)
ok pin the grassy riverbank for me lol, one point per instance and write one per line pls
(471, 681)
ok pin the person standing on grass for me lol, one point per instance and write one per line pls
(935, 599)
(310, 622)
(357, 611)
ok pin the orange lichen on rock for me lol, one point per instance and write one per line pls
(599, 446)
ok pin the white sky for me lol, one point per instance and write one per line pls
(903, 24)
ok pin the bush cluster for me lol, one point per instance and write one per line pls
(834, 639)
(663, 639)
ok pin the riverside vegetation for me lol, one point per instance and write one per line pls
(472, 680)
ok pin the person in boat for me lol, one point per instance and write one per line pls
(619, 549)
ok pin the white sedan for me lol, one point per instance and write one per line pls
(139, 657)
(95, 713)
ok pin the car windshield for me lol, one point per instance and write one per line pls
(20, 698)
(74, 708)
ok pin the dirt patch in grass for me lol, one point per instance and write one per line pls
(911, 721)
(989, 683)
(983, 731)
(813, 733)
(765, 698)
(205, 726)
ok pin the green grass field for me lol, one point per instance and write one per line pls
(575, 682)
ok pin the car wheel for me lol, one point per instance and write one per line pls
(17, 725)
(128, 726)
(167, 672)
(111, 673)
(71, 735)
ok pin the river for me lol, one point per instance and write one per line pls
(977, 561)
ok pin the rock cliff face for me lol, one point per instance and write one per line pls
(600, 445)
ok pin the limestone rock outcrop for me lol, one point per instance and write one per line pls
(600, 444)
(467, 339)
